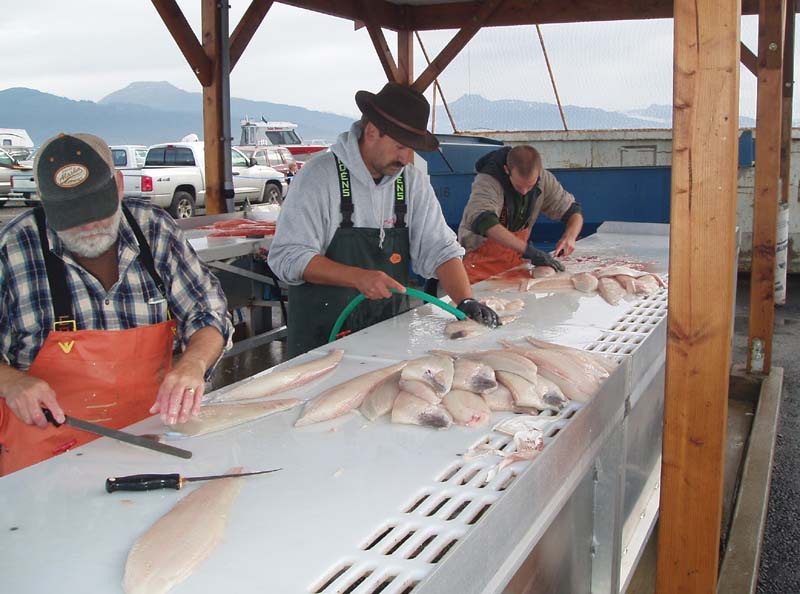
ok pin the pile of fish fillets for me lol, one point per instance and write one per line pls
(443, 388)
(612, 283)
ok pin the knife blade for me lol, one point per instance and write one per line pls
(150, 482)
(118, 435)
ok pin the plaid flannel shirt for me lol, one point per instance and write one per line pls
(26, 308)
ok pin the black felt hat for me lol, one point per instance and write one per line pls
(401, 112)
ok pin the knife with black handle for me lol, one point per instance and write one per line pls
(151, 482)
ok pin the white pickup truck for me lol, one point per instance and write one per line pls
(128, 158)
(173, 177)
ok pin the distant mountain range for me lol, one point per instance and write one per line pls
(151, 112)
(474, 113)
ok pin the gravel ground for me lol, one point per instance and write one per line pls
(780, 555)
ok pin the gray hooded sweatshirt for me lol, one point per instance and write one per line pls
(310, 214)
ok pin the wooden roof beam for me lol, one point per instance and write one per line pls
(247, 27)
(386, 15)
(450, 51)
(182, 33)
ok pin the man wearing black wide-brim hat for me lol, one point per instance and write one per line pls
(359, 217)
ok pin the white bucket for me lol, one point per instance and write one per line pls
(781, 252)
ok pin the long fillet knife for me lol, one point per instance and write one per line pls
(136, 440)
(150, 482)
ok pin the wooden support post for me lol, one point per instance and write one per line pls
(766, 194)
(405, 57)
(212, 111)
(788, 91)
(702, 245)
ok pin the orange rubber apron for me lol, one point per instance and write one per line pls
(109, 377)
(493, 258)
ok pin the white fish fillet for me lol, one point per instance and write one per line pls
(435, 370)
(559, 281)
(420, 390)
(380, 399)
(585, 282)
(181, 539)
(626, 271)
(216, 417)
(410, 410)
(508, 361)
(344, 397)
(279, 380)
(504, 307)
(610, 290)
(543, 271)
(499, 399)
(593, 360)
(464, 329)
(473, 376)
(649, 284)
(567, 375)
(467, 408)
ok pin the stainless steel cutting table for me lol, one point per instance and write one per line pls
(363, 508)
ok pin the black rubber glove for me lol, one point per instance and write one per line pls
(479, 312)
(541, 258)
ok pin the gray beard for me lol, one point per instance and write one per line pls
(94, 243)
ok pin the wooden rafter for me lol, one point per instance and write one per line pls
(450, 51)
(456, 15)
(182, 33)
(405, 57)
(437, 85)
(379, 40)
(247, 27)
(749, 59)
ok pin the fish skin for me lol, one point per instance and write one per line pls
(473, 376)
(464, 329)
(380, 399)
(169, 551)
(279, 380)
(534, 394)
(467, 408)
(610, 290)
(344, 397)
(410, 410)
(585, 282)
(218, 417)
(435, 370)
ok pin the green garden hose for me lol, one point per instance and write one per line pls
(409, 291)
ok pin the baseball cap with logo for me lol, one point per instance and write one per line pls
(76, 179)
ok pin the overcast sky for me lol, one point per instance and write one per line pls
(88, 49)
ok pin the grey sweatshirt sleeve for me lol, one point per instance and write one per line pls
(302, 230)
(432, 242)
(556, 200)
